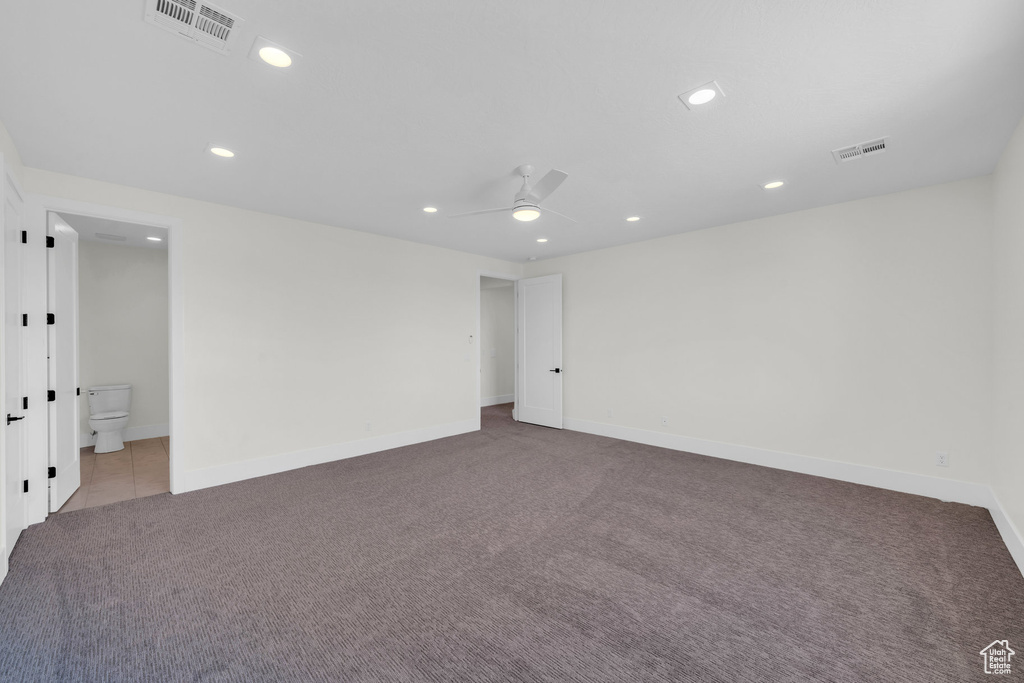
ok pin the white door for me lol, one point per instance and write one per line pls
(539, 349)
(14, 375)
(62, 344)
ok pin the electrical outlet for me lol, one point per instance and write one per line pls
(942, 459)
(664, 421)
(369, 426)
(609, 413)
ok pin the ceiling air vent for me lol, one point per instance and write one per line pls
(198, 21)
(862, 150)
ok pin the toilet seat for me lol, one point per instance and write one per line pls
(109, 416)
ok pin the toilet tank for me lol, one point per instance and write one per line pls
(108, 399)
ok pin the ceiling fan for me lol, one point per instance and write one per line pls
(525, 207)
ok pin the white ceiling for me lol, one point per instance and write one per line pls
(89, 227)
(399, 105)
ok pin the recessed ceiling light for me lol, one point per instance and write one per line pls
(772, 185)
(633, 219)
(272, 53)
(430, 209)
(543, 239)
(222, 152)
(154, 239)
(275, 56)
(532, 258)
(526, 213)
(702, 96)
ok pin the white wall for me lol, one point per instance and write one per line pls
(858, 332)
(123, 329)
(1008, 366)
(296, 335)
(497, 341)
(10, 152)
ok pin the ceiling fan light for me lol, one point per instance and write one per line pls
(526, 214)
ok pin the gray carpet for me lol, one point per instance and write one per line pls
(517, 553)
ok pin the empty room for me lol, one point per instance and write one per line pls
(535, 341)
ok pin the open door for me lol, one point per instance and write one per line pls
(15, 382)
(62, 336)
(539, 350)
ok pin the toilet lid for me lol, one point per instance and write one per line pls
(109, 416)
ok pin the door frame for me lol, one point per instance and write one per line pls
(479, 350)
(37, 207)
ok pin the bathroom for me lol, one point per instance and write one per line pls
(123, 361)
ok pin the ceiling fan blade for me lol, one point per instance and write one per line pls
(546, 185)
(477, 213)
(547, 210)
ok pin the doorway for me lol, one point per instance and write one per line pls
(122, 421)
(536, 345)
(39, 209)
(497, 341)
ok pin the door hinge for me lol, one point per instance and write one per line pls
(24, 486)
(50, 319)
(24, 319)
(78, 391)
(51, 473)
(24, 402)
(49, 241)
(51, 395)
(24, 236)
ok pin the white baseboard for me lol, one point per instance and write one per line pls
(1012, 537)
(3, 563)
(918, 484)
(497, 400)
(249, 469)
(954, 490)
(132, 434)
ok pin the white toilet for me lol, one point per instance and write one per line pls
(108, 415)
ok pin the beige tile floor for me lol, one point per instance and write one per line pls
(140, 469)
